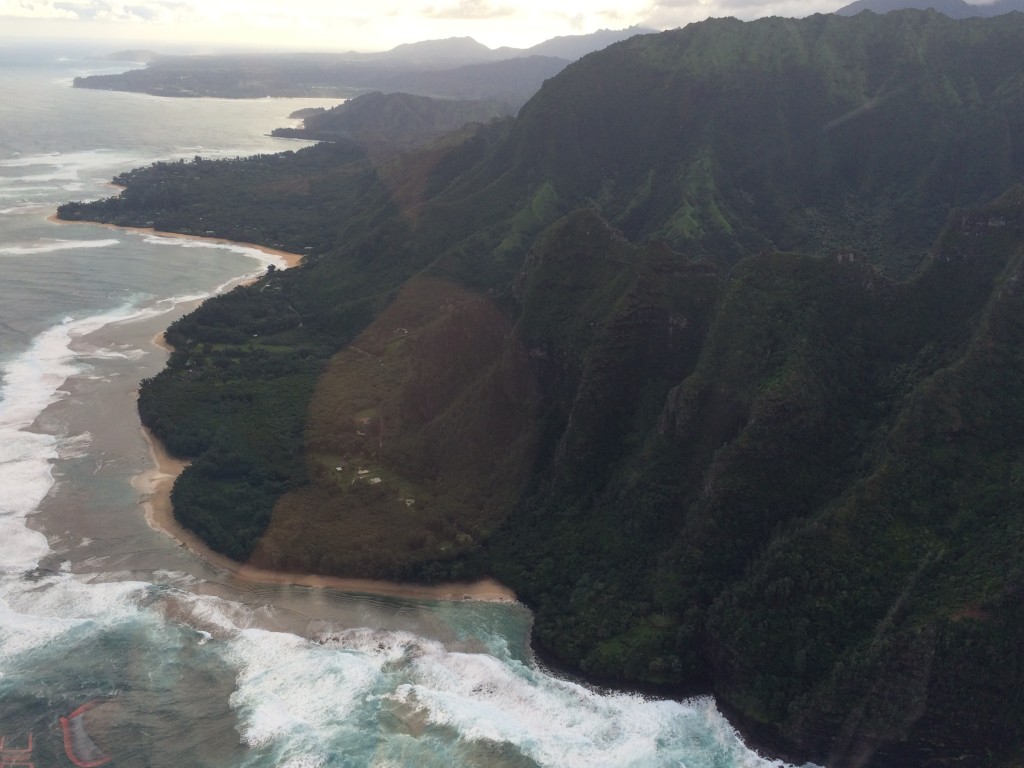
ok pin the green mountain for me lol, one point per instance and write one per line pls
(385, 123)
(713, 354)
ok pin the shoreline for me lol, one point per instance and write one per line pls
(290, 259)
(154, 487)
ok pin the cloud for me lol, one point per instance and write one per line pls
(373, 24)
(145, 11)
(575, 17)
(85, 11)
(32, 10)
(469, 9)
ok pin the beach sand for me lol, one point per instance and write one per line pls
(290, 259)
(154, 487)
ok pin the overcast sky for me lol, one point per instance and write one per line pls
(365, 25)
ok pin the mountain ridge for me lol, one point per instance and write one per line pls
(458, 68)
(954, 9)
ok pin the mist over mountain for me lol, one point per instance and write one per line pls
(713, 354)
(455, 68)
(458, 50)
(573, 47)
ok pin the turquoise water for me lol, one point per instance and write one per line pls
(177, 663)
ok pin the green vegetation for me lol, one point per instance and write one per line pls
(418, 437)
(393, 122)
(713, 355)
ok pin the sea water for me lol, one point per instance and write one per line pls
(117, 646)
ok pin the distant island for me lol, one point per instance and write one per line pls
(457, 68)
(714, 354)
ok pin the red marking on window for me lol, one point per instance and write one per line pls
(79, 748)
(16, 756)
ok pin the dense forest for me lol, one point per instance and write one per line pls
(388, 123)
(715, 354)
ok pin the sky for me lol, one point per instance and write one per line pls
(360, 25)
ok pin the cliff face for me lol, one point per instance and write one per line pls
(713, 355)
(799, 513)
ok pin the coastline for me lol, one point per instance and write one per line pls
(154, 487)
(290, 259)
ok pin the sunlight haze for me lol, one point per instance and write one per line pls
(357, 25)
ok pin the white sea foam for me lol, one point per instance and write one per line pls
(223, 618)
(296, 696)
(388, 646)
(52, 246)
(21, 210)
(25, 194)
(63, 596)
(559, 723)
(20, 632)
(252, 252)
(129, 353)
(96, 159)
(68, 173)
(25, 478)
(30, 383)
(178, 579)
(34, 613)
(25, 161)
(74, 446)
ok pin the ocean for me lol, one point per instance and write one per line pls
(118, 646)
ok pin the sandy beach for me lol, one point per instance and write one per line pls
(290, 259)
(154, 487)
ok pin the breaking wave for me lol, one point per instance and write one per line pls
(52, 246)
